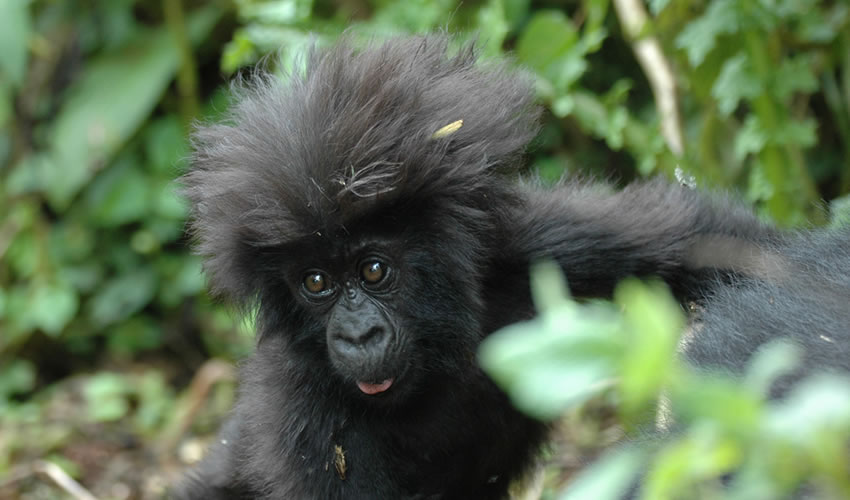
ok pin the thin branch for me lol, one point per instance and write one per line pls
(187, 73)
(211, 372)
(52, 471)
(647, 49)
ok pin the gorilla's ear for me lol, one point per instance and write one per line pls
(214, 225)
(234, 221)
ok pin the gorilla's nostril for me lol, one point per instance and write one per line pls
(373, 335)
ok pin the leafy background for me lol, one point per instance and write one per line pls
(115, 365)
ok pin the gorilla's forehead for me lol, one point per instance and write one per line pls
(341, 249)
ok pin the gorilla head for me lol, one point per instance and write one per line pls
(355, 205)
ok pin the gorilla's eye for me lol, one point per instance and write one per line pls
(373, 271)
(317, 283)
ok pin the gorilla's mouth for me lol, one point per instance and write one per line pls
(372, 389)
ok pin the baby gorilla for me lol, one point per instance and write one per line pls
(366, 209)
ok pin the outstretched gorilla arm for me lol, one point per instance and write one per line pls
(601, 236)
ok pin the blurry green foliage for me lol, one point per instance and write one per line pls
(97, 98)
(624, 354)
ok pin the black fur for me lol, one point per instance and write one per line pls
(804, 298)
(343, 162)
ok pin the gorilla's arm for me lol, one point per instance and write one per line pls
(213, 478)
(601, 236)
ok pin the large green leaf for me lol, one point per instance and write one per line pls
(106, 397)
(549, 45)
(108, 103)
(737, 80)
(40, 305)
(699, 37)
(609, 479)
(119, 195)
(123, 296)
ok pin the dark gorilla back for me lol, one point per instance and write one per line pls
(805, 299)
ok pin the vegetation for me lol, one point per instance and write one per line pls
(103, 316)
(622, 356)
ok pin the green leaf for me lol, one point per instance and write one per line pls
(276, 11)
(736, 81)
(711, 397)
(7, 112)
(23, 254)
(703, 453)
(750, 139)
(559, 360)
(181, 277)
(17, 324)
(166, 230)
(96, 119)
(52, 306)
(119, 195)
(16, 377)
(547, 387)
(754, 136)
(562, 106)
(71, 241)
(412, 16)
(493, 27)
(816, 405)
(551, 168)
(289, 45)
(166, 146)
(656, 6)
(839, 210)
(609, 478)
(759, 186)
(818, 23)
(548, 286)
(699, 37)
(106, 397)
(771, 361)
(138, 333)
(801, 133)
(83, 277)
(167, 202)
(156, 402)
(654, 320)
(549, 45)
(795, 74)
(122, 296)
(33, 173)
(240, 51)
(15, 30)
(515, 11)
(144, 242)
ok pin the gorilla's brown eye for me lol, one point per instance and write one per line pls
(373, 271)
(317, 283)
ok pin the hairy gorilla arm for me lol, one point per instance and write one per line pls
(651, 228)
(381, 246)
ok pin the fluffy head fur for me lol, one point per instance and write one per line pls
(352, 137)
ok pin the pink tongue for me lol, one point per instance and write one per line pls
(375, 388)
